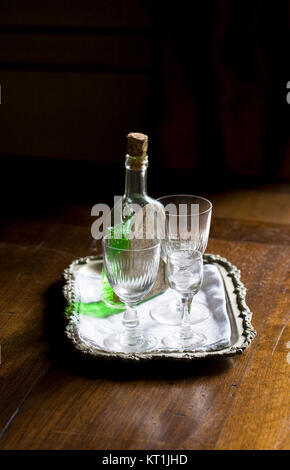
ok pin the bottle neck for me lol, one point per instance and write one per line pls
(135, 183)
(136, 177)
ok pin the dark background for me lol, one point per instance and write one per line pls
(205, 79)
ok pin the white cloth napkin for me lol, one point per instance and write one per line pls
(216, 328)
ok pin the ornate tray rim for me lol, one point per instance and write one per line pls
(237, 300)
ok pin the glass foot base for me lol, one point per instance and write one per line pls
(171, 314)
(117, 343)
(176, 341)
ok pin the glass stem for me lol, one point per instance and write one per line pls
(186, 329)
(131, 333)
(179, 306)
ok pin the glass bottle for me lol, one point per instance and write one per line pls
(126, 215)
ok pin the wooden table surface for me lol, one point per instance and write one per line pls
(50, 399)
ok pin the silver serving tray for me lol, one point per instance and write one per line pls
(242, 331)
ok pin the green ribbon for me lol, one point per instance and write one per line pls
(94, 309)
(99, 309)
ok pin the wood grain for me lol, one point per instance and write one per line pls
(255, 205)
(259, 416)
(22, 304)
(232, 403)
(250, 230)
(193, 404)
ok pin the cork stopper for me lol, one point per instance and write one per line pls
(137, 144)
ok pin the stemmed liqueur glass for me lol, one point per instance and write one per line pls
(184, 270)
(131, 274)
(187, 226)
